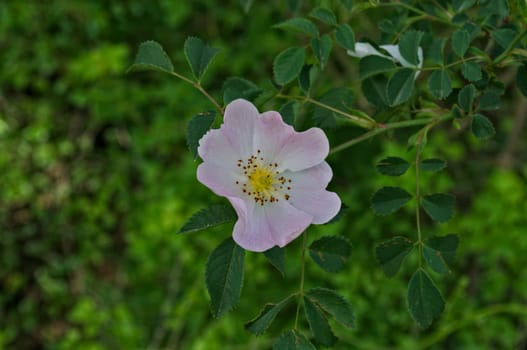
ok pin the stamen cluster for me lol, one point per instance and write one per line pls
(263, 181)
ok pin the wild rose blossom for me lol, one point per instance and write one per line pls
(274, 177)
(366, 49)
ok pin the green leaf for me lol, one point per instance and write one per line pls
(440, 252)
(288, 112)
(300, 25)
(374, 89)
(489, 101)
(322, 48)
(439, 206)
(304, 79)
(503, 37)
(391, 254)
(499, 8)
(389, 199)
(439, 84)
(459, 18)
(462, 5)
(521, 79)
(318, 323)
(224, 276)
(292, 340)
(324, 15)
(496, 87)
(212, 216)
(400, 86)
(481, 127)
(196, 128)
(425, 302)
(432, 164)
(460, 42)
(234, 88)
(276, 257)
(457, 113)
(465, 98)
(471, 71)
(151, 56)
(265, 318)
(198, 55)
(409, 44)
(472, 29)
(330, 252)
(338, 98)
(373, 65)
(388, 26)
(345, 37)
(392, 166)
(435, 50)
(334, 304)
(288, 64)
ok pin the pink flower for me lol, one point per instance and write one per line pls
(274, 177)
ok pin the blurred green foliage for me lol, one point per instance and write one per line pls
(96, 180)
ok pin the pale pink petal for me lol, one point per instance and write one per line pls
(215, 148)
(262, 227)
(238, 127)
(245, 135)
(322, 205)
(303, 150)
(270, 134)
(221, 180)
(314, 178)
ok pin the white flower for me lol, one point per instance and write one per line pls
(366, 49)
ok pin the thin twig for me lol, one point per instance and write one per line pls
(381, 128)
(200, 88)
(302, 273)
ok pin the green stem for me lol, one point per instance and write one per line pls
(302, 273)
(200, 88)
(511, 47)
(408, 7)
(453, 64)
(359, 121)
(418, 197)
(381, 128)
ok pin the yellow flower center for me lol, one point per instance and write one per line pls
(263, 182)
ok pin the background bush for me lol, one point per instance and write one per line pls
(95, 181)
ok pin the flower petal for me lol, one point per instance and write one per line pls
(220, 180)
(322, 205)
(420, 56)
(260, 228)
(393, 50)
(270, 134)
(214, 147)
(363, 50)
(239, 119)
(303, 150)
(314, 178)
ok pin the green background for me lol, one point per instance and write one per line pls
(96, 180)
